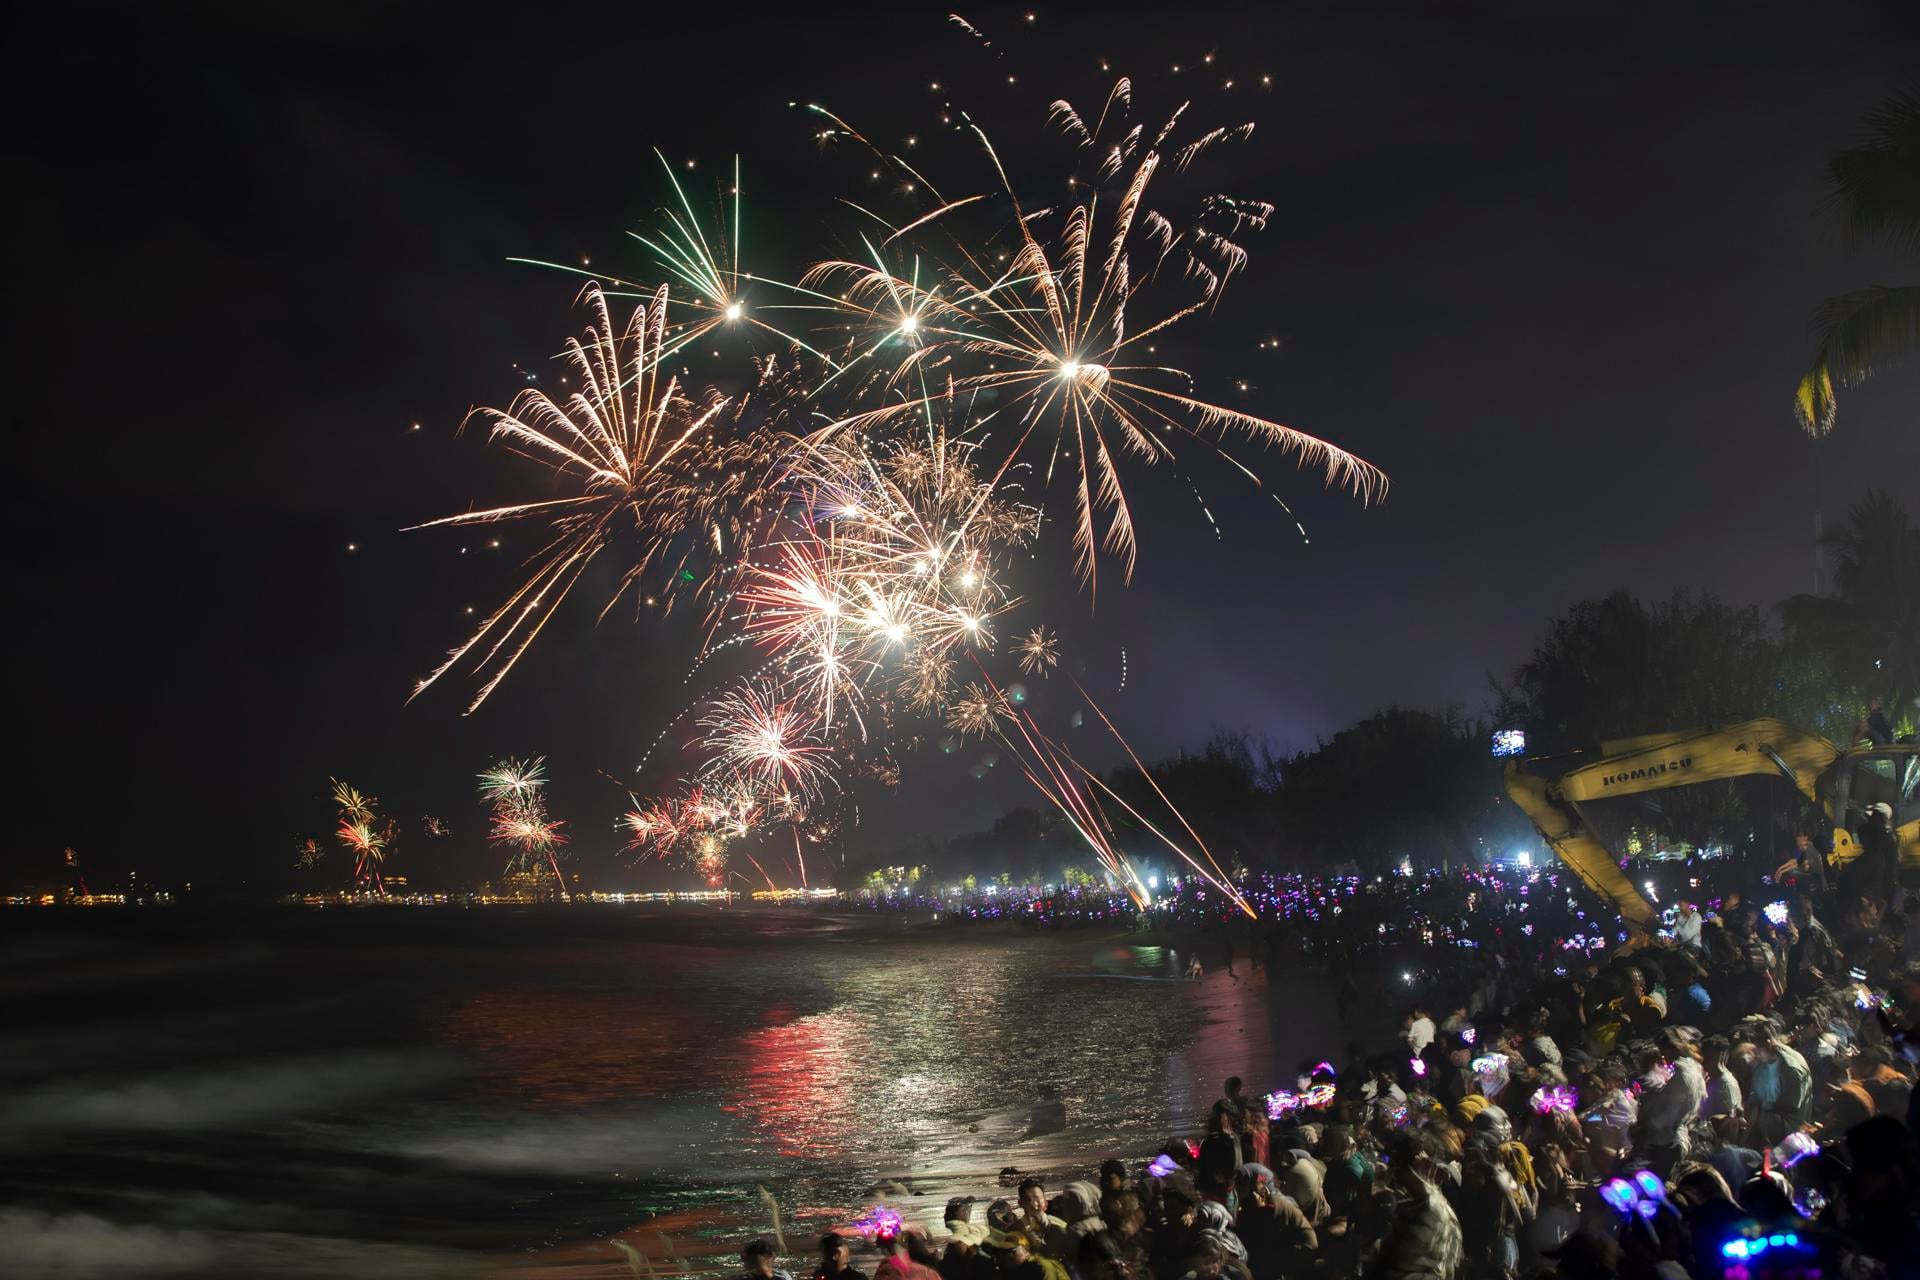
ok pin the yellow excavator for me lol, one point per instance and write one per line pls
(1552, 790)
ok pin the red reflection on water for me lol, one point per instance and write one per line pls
(797, 1081)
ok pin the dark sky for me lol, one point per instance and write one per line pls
(1551, 270)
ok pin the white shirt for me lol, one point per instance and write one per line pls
(1686, 930)
(1420, 1035)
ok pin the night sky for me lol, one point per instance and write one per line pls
(1552, 272)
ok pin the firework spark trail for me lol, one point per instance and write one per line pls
(1218, 877)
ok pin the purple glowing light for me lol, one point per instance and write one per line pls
(879, 1222)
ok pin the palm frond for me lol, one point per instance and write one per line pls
(1859, 332)
(1877, 181)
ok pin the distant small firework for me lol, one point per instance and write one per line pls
(528, 829)
(978, 711)
(517, 791)
(352, 804)
(433, 827)
(362, 832)
(513, 780)
(308, 853)
(1038, 651)
(366, 842)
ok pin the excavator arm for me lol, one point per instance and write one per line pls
(1656, 762)
(1560, 826)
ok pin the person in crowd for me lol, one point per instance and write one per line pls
(1046, 1234)
(1687, 924)
(1220, 1154)
(1605, 1119)
(1174, 1230)
(1491, 1215)
(761, 1261)
(1022, 1263)
(1079, 1207)
(1892, 1092)
(836, 1259)
(1540, 1049)
(1786, 1098)
(1811, 954)
(1256, 1142)
(1420, 1031)
(1807, 869)
(1669, 1108)
(1607, 1125)
(1874, 727)
(1232, 1100)
(964, 1258)
(1101, 1257)
(1127, 1227)
(1278, 1238)
(1720, 1112)
(1424, 1241)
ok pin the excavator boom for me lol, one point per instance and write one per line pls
(1660, 762)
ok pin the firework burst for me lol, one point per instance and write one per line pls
(649, 462)
(766, 741)
(514, 782)
(860, 516)
(520, 821)
(1054, 323)
(1039, 652)
(979, 711)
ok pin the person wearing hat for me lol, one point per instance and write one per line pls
(1079, 1207)
(836, 1259)
(1022, 1263)
(963, 1259)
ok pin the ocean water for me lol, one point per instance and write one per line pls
(500, 1092)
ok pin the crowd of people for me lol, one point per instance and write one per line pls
(1735, 1099)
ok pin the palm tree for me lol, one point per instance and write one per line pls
(1870, 625)
(1877, 184)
